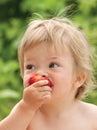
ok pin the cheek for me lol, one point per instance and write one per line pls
(64, 81)
(25, 80)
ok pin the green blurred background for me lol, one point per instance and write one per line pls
(14, 17)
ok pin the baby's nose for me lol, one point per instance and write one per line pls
(43, 73)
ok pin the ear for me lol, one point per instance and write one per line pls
(80, 79)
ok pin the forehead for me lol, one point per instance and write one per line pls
(47, 50)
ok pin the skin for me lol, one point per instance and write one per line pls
(53, 108)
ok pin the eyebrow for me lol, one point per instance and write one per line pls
(28, 59)
(49, 58)
(56, 57)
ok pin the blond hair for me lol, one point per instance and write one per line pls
(62, 32)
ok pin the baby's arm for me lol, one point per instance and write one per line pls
(22, 114)
(18, 119)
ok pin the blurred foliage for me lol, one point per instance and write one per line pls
(14, 17)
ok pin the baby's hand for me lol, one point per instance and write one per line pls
(36, 94)
(36, 77)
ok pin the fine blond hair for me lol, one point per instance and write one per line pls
(62, 32)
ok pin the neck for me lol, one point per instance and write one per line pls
(59, 108)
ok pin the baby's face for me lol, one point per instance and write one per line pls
(58, 66)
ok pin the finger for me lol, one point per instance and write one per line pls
(40, 83)
(44, 88)
(46, 95)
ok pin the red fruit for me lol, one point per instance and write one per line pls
(36, 77)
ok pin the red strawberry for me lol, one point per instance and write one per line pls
(36, 77)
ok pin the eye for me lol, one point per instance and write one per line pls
(53, 65)
(30, 67)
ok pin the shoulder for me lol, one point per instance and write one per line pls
(90, 112)
(90, 108)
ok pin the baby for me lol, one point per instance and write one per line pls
(58, 51)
